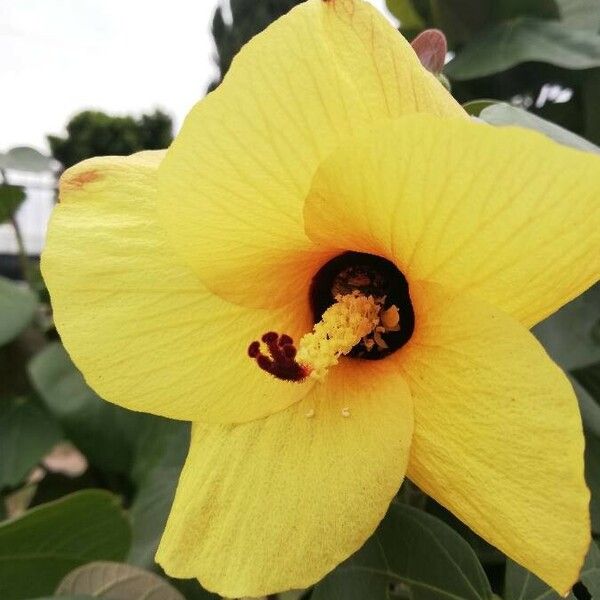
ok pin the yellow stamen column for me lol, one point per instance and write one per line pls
(342, 326)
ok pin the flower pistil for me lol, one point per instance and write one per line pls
(354, 319)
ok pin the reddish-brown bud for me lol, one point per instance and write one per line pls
(431, 47)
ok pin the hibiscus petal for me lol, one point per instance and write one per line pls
(275, 504)
(498, 437)
(503, 213)
(234, 181)
(141, 327)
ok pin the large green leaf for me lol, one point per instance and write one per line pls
(463, 20)
(474, 107)
(460, 19)
(27, 433)
(38, 549)
(590, 576)
(570, 335)
(572, 338)
(504, 114)
(590, 408)
(412, 548)
(510, 9)
(589, 378)
(117, 581)
(78, 597)
(103, 432)
(580, 14)
(520, 584)
(17, 308)
(160, 453)
(525, 40)
(11, 197)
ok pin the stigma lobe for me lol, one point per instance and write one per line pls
(281, 362)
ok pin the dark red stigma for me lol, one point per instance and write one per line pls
(281, 362)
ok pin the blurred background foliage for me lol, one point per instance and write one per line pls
(543, 55)
(94, 133)
(237, 22)
(86, 486)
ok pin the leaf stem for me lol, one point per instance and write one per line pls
(24, 262)
(25, 265)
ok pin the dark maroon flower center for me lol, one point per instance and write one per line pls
(372, 276)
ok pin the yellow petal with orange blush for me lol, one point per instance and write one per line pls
(276, 504)
(502, 213)
(498, 437)
(143, 329)
(234, 181)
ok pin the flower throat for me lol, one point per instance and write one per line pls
(361, 308)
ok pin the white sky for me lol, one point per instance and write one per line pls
(120, 56)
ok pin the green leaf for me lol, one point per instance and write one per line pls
(510, 9)
(571, 335)
(485, 552)
(474, 107)
(589, 408)
(161, 450)
(520, 584)
(414, 549)
(463, 20)
(580, 14)
(115, 580)
(149, 512)
(405, 12)
(590, 576)
(38, 549)
(24, 158)
(589, 378)
(27, 433)
(77, 597)
(17, 308)
(102, 431)
(11, 197)
(525, 40)
(504, 114)
(460, 19)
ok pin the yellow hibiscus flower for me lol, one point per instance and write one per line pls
(331, 272)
